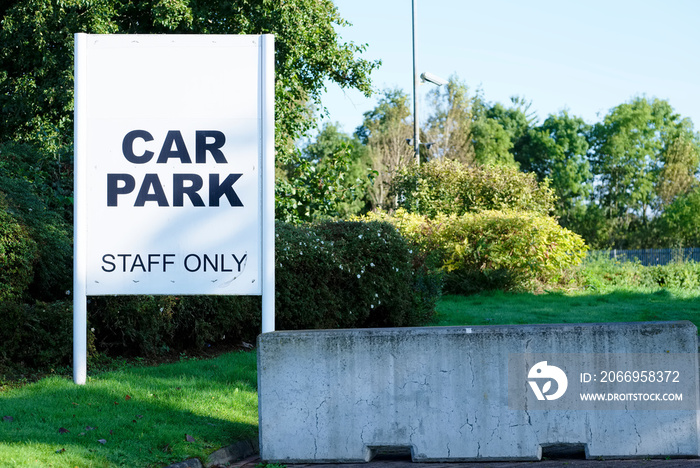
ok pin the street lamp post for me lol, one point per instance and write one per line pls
(436, 80)
(416, 141)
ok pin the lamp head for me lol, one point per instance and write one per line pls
(434, 79)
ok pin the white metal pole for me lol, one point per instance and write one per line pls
(416, 131)
(268, 183)
(79, 213)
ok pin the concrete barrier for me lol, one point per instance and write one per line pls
(479, 393)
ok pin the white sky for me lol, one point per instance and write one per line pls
(586, 56)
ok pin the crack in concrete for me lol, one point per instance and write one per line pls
(317, 428)
(471, 427)
(416, 382)
(636, 431)
(471, 369)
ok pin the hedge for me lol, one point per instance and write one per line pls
(346, 274)
(328, 275)
(18, 252)
(51, 235)
(603, 274)
(37, 336)
(444, 186)
(507, 250)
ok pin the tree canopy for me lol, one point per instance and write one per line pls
(36, 60)
(556, 150)
(613, 180)
(386, 130)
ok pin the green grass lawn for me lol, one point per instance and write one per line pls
(135, 417)
(154, 416)
(616, 306)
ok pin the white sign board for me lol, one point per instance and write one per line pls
(174, 164)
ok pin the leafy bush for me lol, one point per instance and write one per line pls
(17, 255)
(450, 187)
(49, 232)
(677, 275)
(350, 274)
(37, 335)
(505, 250)
(157, 325)
(49, 172)
(204, 320)
(132, 325)
(601, 273)
(328, 275)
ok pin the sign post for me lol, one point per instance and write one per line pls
(174, 169)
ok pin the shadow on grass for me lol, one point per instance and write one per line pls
(619, 306)
(135, 417)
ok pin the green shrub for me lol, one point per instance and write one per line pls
(677, 275)
(505, 250)
(157, 325)
(328, 275)
(49, 232)
(206, 320)
(37, 336)
(132, 325)
(17, 255)
(603, 274)
(49, 173)
(450, 187)
(350, 274)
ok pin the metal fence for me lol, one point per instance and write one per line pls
(649, 257)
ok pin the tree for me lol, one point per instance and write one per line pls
(557, 150)
(36, 63)
(492, 143)
(385, 130)
(627, 154)
(516, 119)
(450, 125)
(497, 131)
(345, 164)
(680, 222)
(36, 60)
(681, 159)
